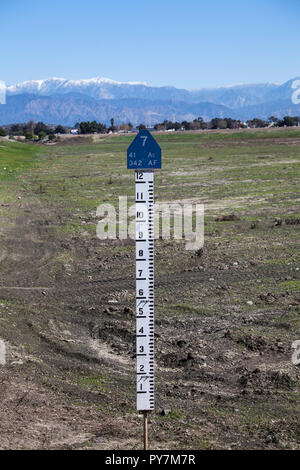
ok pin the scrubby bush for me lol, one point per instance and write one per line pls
(41, 135)
(29, 136)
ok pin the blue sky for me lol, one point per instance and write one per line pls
(185, 43)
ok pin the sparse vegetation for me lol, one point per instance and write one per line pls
(226, 316)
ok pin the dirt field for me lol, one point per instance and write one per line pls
(226, 316)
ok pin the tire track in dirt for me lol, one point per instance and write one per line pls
(114, 285)
(109, 285)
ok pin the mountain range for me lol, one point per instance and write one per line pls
(62, 101)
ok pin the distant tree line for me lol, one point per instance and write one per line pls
(286, 121)
(34, 131)
(42, 131)
(226, 123)
(94, 127)
(199, 123)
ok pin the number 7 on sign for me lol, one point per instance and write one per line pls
(144, 137)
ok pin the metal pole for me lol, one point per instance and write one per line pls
(146, 444)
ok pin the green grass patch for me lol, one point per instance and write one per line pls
(185, 309)
(291, 285)
(175, 414)
(16, 158)
(92, 382)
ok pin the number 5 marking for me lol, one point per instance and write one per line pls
(145, 137)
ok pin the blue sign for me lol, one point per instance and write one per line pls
(143, 153)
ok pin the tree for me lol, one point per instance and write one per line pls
(229, 123)
(2, 132)
(16, 129)
(41, 135)
(84, 127)
(256, 122)
(112, 127)
(30, 126)
(217, 123)
(141, 126)
(195, 124)
(60, 130)
(201, 122)
(159, 127)
(29, 135)
(87, 127)
(273, 119)
(125, 127)
(186, 125)
(290, 121)
(41, 127)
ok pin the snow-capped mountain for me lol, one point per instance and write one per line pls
(59, 100)
(98, 87)
(233, 96)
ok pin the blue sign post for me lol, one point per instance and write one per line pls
(143, 153)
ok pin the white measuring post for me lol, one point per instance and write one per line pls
(144, 200)
(143, 156)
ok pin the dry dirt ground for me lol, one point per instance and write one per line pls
(226, 316)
